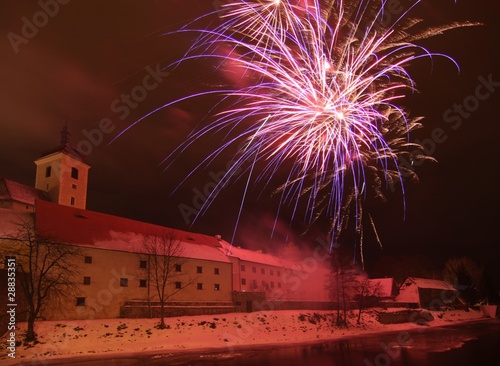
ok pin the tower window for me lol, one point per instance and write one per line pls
(216, 287)
(72, 203)
(143, 283)
(48, 171)
(74, 173)
(199, 286)
(80, 301)
(86, 280)
(199, 269)
(178, 285)
(143, 264)
(88, 259)
(123, 282)
(216, 271)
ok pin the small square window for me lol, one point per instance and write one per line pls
(80, 301)
(242, 268)
(86, 280)
(74, 173)
(199, 269)
(178, 285)
(216, 287)
(73, 186)
(143, 283)
(48, 171)
(216, 271)
(243, 281)
(88, 259)
(254, 270)
(143, 264)
(178, 268)
(262, 271)
(199, 286)
(123, 282)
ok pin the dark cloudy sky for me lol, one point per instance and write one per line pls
(77, 66)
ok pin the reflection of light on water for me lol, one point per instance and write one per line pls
(451, 344)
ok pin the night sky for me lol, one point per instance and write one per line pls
(77, 67)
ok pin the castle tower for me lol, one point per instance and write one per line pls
(62, 172)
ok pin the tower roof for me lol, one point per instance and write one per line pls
(65, 147)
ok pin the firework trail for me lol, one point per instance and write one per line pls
(318, 103)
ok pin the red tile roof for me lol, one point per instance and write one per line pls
(97, 230)
(14, 191)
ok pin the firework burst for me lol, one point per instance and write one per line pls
(319, 105)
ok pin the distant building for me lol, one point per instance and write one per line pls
(427, 293)
(19, 197)
(386, 289)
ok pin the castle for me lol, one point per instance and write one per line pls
(111, 268)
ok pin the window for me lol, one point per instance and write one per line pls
(178, 268)
(74, 173)
(243, 281)
(72, 203)
(178, 285)
(262, 271)
(272, 284)
(48, 171)
(279, 284)
(216, 271)
(271, 272)
(242, 268)
(80, 301)
(278, 273)
(254, 270)
(73, 186)
(86, 280)
(199, 269)
(123, 282)
(216, 287)
(88, 259)
(143, 283)
(143, 264)
(199, 286)
(254, 284)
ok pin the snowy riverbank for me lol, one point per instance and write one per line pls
(224, 332)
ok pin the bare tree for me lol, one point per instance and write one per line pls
(164, 255)
(341, 282)
(366, 294)
(46, 268)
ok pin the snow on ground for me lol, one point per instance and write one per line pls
(191, 333)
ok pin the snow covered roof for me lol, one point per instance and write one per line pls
(429, 284)
(257, 256)
(385, 286)
(14, 191)
(102, 231)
